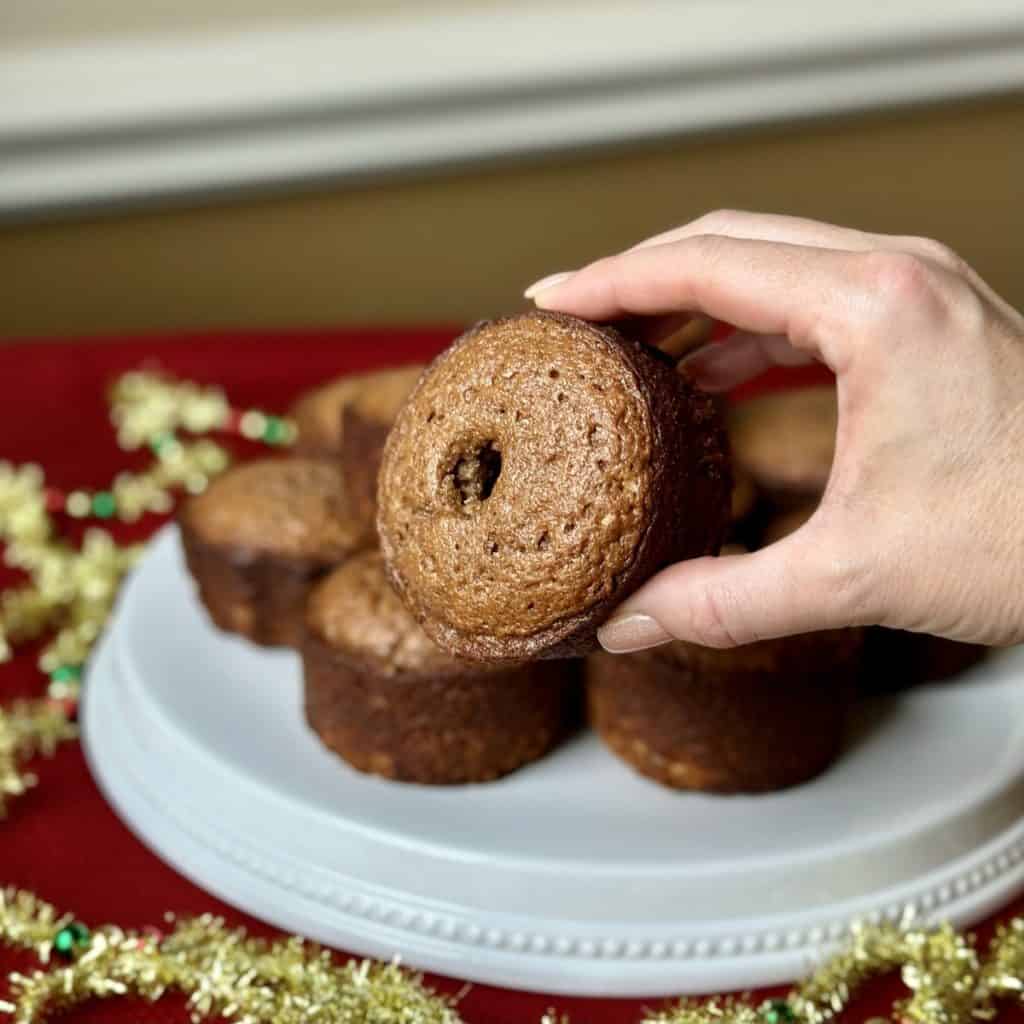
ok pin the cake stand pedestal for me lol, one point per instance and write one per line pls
(572, 876)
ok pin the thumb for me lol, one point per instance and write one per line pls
(789, 587)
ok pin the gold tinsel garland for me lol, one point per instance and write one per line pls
(26, 729)
(71, 591)
(225, 973)
(222, 971)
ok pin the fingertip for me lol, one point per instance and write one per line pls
(628, 631)
(536, 290)
(719, 367)
(724, 365)
(711, 383)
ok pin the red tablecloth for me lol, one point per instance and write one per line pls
(61, 840)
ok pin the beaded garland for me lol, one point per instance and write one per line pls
(223, 972)
(70, 591)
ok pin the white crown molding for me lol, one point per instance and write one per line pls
(134, 119)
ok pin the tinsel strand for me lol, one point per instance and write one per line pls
(26, 729)
(71, 592)
(222, 971)
(225, 973)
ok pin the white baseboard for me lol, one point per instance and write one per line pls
(135, 119)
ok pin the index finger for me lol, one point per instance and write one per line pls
(760, 286)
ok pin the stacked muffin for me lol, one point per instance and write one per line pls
(784, 444)
(546, 468)
(391, 703)
(263, 534)
(283, 552)
(443, 545)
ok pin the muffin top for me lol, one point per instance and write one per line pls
(536, 475)
(377, 396)
(786, 440)
(293, 507)
(384, 393)
(356, 612)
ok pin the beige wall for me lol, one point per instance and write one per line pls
(456, 247)
(32, 22)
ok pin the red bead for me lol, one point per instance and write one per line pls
(67, 705)
(54, 499)
(233, 424)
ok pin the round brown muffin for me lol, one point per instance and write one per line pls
(258, 538)
(756, 718)
(318, 415)
(381, 695)
(366, 421)
(542, 469)
(895, 659)
(786, 442)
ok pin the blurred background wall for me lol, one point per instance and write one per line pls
(423, 231)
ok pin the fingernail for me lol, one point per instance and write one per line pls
(633, 632)
(547, 282)
(709, 356)
(709, 368)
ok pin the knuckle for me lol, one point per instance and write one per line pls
(853, 587)
(940, 253)
(618, 276)
(972, 314)
(898, 277)
(606, 269)
(607, 265)
(943, 306)
(710, 620)
(719, 219)
(902, 288)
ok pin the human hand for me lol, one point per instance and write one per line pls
(921, 526)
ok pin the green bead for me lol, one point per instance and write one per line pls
(273, 430)
(162, 441)
(778, 1011)
(66, 673)
(103, 504)
(71, 939)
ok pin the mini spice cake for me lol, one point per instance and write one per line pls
(366, 421)
(754, 718)
(893, 659)
(318, 414)
(542, 469)
(785, 442)
(381, 695)
(258, 538)
(759, 717)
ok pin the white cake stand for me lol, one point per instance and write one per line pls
(572, 876)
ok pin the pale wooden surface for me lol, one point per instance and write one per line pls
(457, 247)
